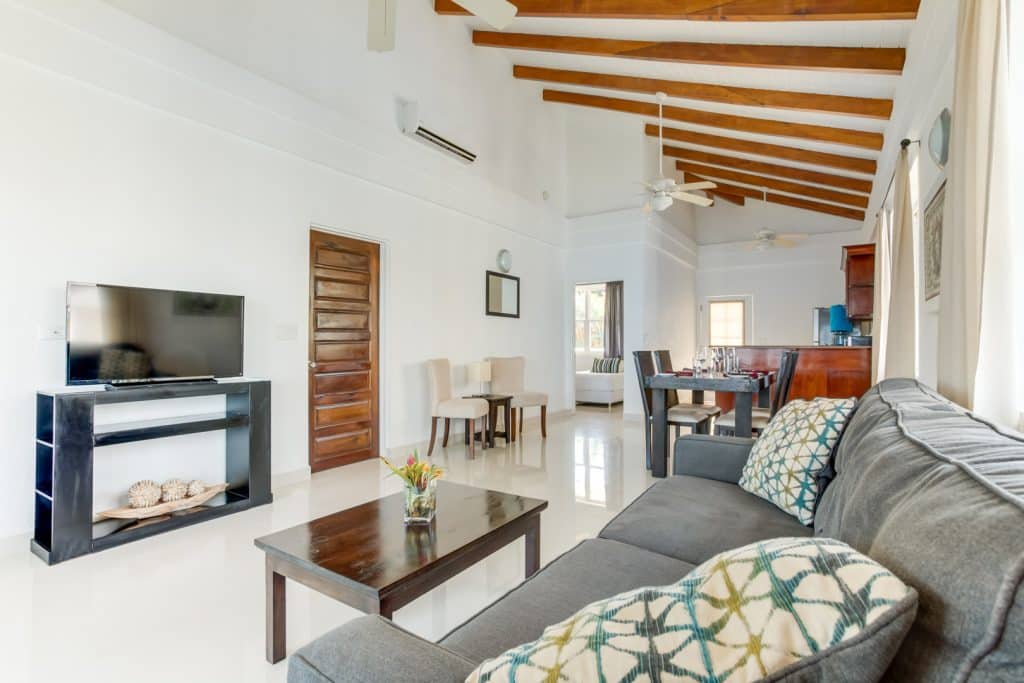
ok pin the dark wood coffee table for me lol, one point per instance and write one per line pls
(368, 558)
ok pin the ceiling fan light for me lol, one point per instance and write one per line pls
(661, 202)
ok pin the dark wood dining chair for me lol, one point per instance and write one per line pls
(663, 364)
(726, 424)
(697, 419)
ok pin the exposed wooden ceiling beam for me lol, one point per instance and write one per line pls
(734, 190)
(731, 198)
(750, 97)
(877, 60)
(803, 131)
(791, 172)
(813, 191)
(838, 161)
(796, 202)
(843, 212)
(704, 10)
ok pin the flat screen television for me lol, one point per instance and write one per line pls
(121, 335)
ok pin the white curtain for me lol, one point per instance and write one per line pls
(883, 271)
(978, 310)
(901, 314)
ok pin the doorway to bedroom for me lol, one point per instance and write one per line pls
(598, 345)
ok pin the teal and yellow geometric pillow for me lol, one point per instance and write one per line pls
(785, 460)
(800, 606)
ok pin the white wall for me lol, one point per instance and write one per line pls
(783, 284)
(656, 262)
(128, 156)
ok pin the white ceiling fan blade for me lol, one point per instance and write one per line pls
(692, 198)
(702, 185)
(786, 243)
(497, 13)
(380, 33)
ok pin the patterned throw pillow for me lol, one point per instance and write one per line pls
(786, 459)
(606, 365)
(809, 608)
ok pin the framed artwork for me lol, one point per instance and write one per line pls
(932, 243)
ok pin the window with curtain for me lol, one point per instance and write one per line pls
(726, 320)
(589, 301)
(980, 330)
(1016, 42)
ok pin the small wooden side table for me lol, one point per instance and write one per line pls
(494, 402)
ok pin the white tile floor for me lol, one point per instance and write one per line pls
(188, 605)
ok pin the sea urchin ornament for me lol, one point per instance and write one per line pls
(144, 494)
(195, 487)
(173, 489)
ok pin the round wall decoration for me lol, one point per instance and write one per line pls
(938, 139)
(504, 260)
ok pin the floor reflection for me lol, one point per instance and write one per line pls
(588, 469)
(597, 470)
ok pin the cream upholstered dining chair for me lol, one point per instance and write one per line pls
(443, 405)
(508, 377)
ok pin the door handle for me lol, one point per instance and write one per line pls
(312, 364)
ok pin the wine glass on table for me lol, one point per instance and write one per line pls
(699, 359)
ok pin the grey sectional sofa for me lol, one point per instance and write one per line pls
(923, 487)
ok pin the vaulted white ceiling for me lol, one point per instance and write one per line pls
(610, 186)
(289, 44)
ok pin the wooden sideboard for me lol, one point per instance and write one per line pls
(830, 371)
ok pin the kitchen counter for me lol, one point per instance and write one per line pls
(829, 371)
(801, 348)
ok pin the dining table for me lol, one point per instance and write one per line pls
(744, 385)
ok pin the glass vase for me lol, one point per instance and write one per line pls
(420, 504)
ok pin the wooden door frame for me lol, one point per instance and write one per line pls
(383, 295)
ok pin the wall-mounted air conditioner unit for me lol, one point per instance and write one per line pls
(409, 120)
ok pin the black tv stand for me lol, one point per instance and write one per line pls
(66, 437)
(117, 386)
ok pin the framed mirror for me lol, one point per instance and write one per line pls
(502, 295)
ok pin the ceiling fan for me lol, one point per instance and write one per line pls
(765, 239)
(663, 190)
(381, 30)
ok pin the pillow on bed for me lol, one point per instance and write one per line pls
(787, 609)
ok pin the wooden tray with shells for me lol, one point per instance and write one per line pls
(129, 512)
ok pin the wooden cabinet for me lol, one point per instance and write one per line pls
(859, 266)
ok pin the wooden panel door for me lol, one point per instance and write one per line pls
(344, 302)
